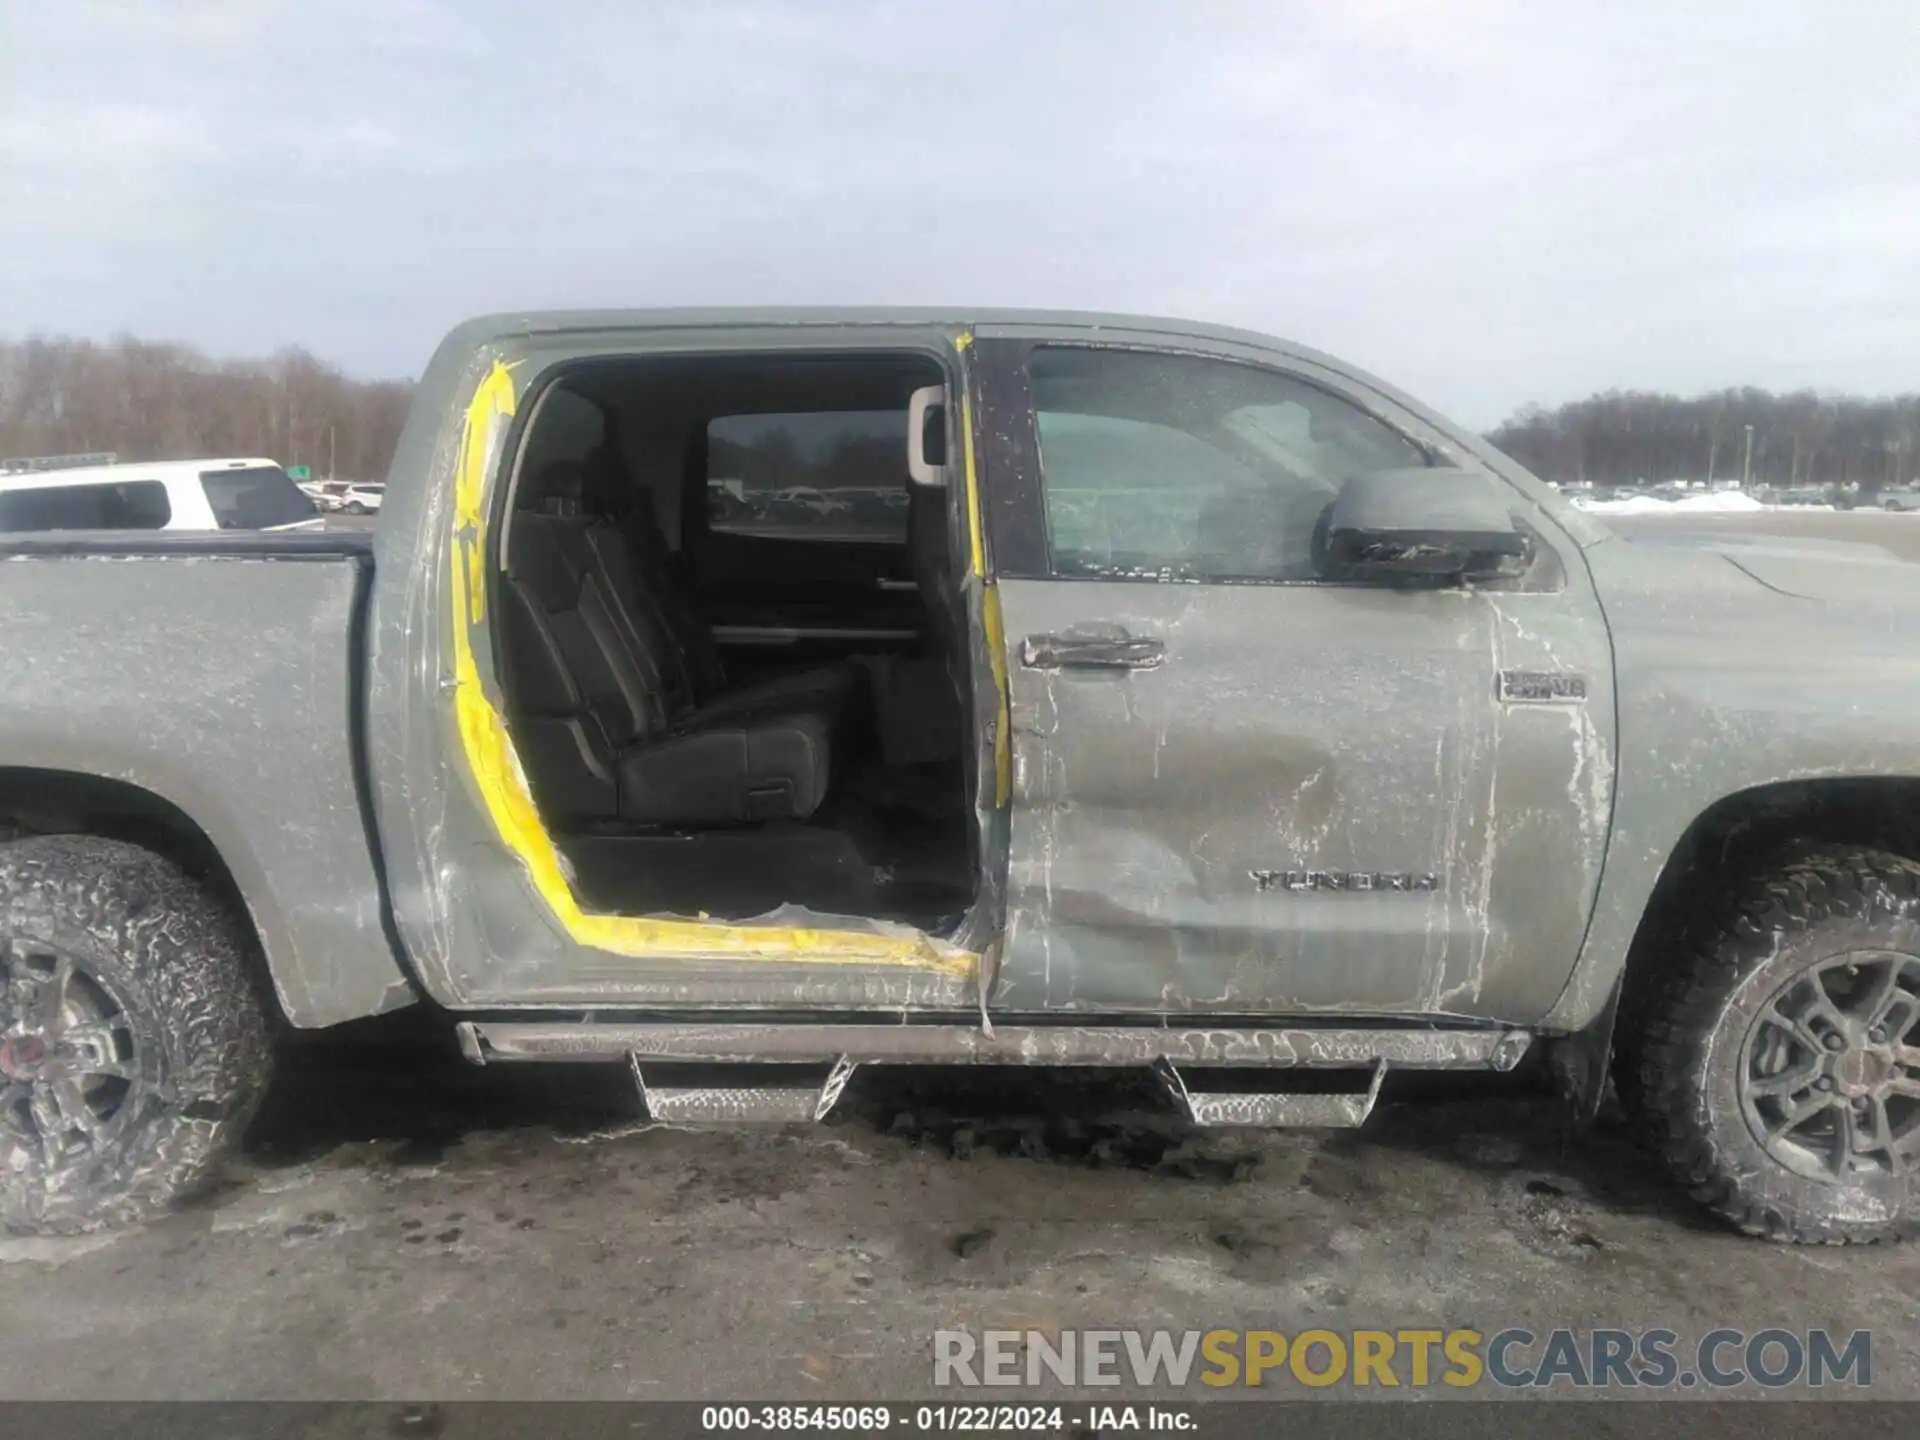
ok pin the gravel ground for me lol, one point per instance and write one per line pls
(405, 1225)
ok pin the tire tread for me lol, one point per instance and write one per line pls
(1806, 888)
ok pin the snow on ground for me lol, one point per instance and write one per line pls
(1724, 502)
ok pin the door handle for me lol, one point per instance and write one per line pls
(887, 582)
(1092, 652)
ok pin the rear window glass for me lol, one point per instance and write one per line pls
(125, 505)
(821, 475)
(256, 498)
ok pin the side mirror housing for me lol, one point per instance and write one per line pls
(1432, 524)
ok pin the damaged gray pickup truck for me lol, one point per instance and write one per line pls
(748, 698)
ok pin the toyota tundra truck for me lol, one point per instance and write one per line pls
(749, 698)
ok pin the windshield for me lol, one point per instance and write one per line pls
(258, 497)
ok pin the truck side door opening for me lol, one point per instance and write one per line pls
(719, 632)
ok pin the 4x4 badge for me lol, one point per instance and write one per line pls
(1541, 687)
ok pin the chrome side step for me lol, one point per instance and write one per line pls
(740, 1104)
(1272, 1109)
(655, 1050)
(487, 1041)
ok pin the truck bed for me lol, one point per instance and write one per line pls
(219, 674)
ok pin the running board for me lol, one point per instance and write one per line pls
(891, 1043)
(655, 1050)
(1273, 1109)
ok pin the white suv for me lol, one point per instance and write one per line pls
(362, 499)
(176, 495)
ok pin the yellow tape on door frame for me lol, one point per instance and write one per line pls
(497, 775)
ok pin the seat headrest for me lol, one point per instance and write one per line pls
(608, 488)
(559, 488)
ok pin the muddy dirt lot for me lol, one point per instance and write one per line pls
(405, 1225)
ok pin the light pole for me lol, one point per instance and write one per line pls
(1746, 467)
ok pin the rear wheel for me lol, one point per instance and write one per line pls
(354, 507)
(1778, 1073)
(133, 1045)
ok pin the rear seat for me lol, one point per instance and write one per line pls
(605, 709)
(606, 489)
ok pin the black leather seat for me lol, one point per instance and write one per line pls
(699, 668)
(603, 707)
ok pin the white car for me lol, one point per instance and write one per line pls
(218, 494)
(362, 499)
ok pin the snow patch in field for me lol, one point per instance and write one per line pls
(1726, 502)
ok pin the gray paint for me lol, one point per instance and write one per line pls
(1730, 678)
(223, 685)
(1304, 728)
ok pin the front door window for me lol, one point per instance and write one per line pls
(1175, 467)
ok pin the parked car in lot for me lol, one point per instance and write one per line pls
(327, 494)
(1210, 707)
(1900, 498)
(251, 494)
(362, 499)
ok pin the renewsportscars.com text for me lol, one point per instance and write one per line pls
(1512, 1358)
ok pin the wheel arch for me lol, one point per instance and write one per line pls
(45, 800)
(1743, 830)
(1731, 838)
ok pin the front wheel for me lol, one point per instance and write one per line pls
(354, 507)
(133, 1043)
(1778, 1073)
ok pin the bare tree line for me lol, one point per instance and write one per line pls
(1630, 436)
(146, 401)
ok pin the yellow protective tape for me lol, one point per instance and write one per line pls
(996, 637)
(976, 522)
(495, 768)
(990, 621)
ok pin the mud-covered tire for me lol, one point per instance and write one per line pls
(165, 962)
(1689, 1071)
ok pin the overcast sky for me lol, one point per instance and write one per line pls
(1488, 203)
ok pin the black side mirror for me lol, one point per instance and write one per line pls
(1420, 525)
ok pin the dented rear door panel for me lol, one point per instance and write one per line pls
(1312, 798)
